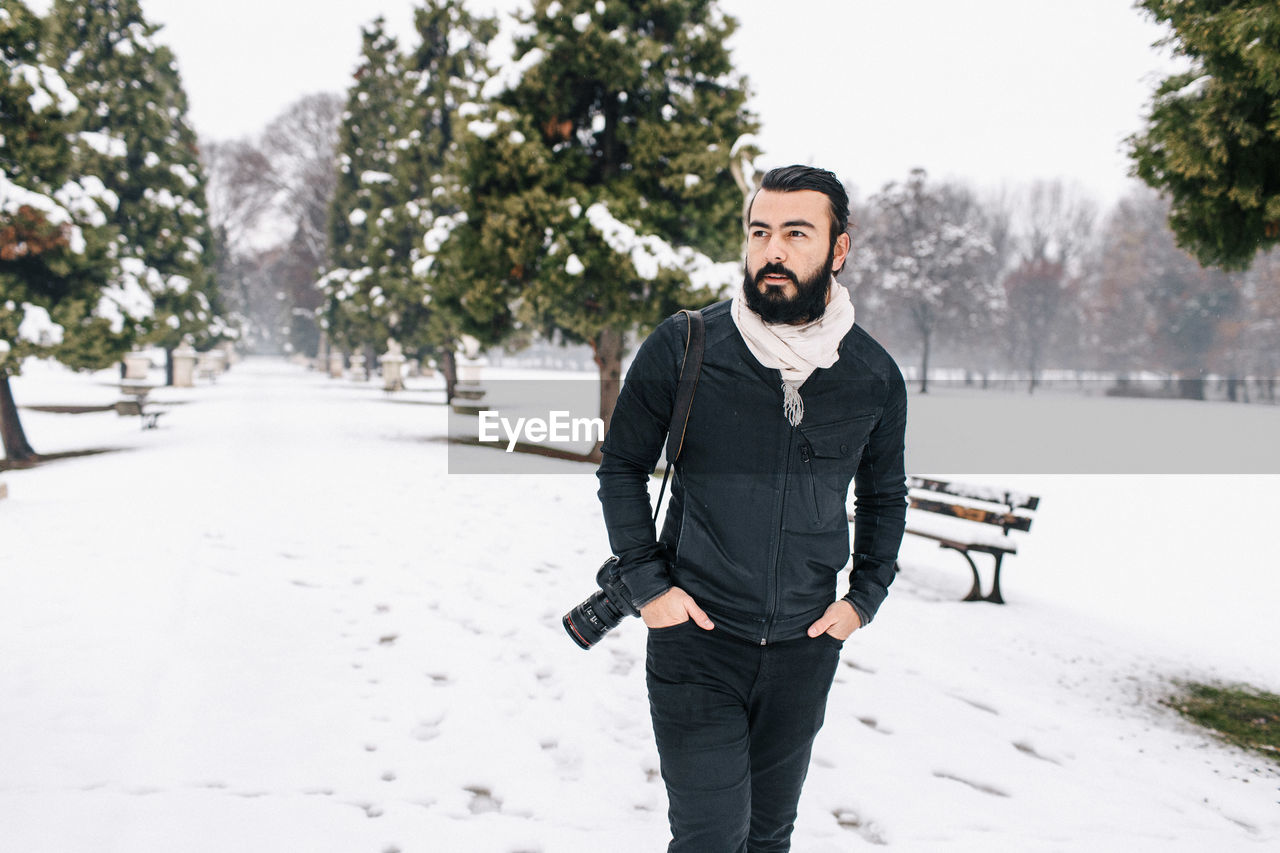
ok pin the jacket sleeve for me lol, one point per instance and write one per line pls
(637, 435)
(880, 505)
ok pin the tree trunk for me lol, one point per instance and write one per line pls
(16, 447)
(608, 358)
(924, 364)
(168, 367)
(449, 367)
(1033, 363)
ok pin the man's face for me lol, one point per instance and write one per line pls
(790, 255)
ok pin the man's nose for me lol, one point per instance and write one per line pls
(775, 250)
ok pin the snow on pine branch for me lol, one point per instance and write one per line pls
(434, 239)
(129, 296)
(73, 202)
(48, 89)
(650, 254)
(105, 144)
(37, 327)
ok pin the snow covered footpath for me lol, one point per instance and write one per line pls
(277, 623)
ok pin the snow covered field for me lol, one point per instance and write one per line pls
(277, 623)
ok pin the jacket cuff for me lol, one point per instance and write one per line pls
(861, 609)
(646, 581)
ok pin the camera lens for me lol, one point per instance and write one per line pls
(591, 620)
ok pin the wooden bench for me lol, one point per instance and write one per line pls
(969, 518)
(135, 403)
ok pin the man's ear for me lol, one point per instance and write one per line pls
(843, 244)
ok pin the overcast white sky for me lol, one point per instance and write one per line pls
(988, 91)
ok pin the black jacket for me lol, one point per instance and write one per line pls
(756, 529)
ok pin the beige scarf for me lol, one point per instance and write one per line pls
(796, 351)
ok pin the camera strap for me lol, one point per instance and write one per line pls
(690, 368)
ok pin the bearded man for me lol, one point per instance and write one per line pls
(739, 591)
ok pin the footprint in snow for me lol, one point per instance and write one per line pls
(874, 725)
(427, 729)
(371, 810)
(977, 786)
(623, 663)
(975, 703)
(482, 801)
(849, 819)
(1024, 747)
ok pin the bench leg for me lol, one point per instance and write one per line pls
(995, 597)
(975, 594)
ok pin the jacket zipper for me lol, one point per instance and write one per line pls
(807, 459)
(772, 603)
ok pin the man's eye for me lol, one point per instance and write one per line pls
(798, 234)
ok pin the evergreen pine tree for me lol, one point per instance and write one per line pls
(394, 195)
(602, 194)
(133, 111)
(364, 196)
(59, 293)
(1212, 141)
(446, 70)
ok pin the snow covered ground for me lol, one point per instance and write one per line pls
(277, 623)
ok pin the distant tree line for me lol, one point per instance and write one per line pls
(1038, 280)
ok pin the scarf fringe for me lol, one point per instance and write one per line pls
(792, 404)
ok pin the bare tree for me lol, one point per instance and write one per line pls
(928, 248)
(1054, 226)
(1160, 309)
(240, 191)
(299, 145)
(269, 205)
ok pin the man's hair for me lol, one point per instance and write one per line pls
(792, 178)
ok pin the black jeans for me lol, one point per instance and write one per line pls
(735, 724)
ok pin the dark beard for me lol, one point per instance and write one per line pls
(809, 304)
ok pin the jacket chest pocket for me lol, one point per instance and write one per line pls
(829, 457)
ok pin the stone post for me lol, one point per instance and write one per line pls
(229, 355)
(208, 365)
(392, 362)
(335, 364)
(136, 365)
(184, 366)
(358, 373)
(321, 361)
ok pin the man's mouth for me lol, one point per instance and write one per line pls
(776, 279)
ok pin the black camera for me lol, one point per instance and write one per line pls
(603, 609)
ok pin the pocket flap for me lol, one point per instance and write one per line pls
(839, 440)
